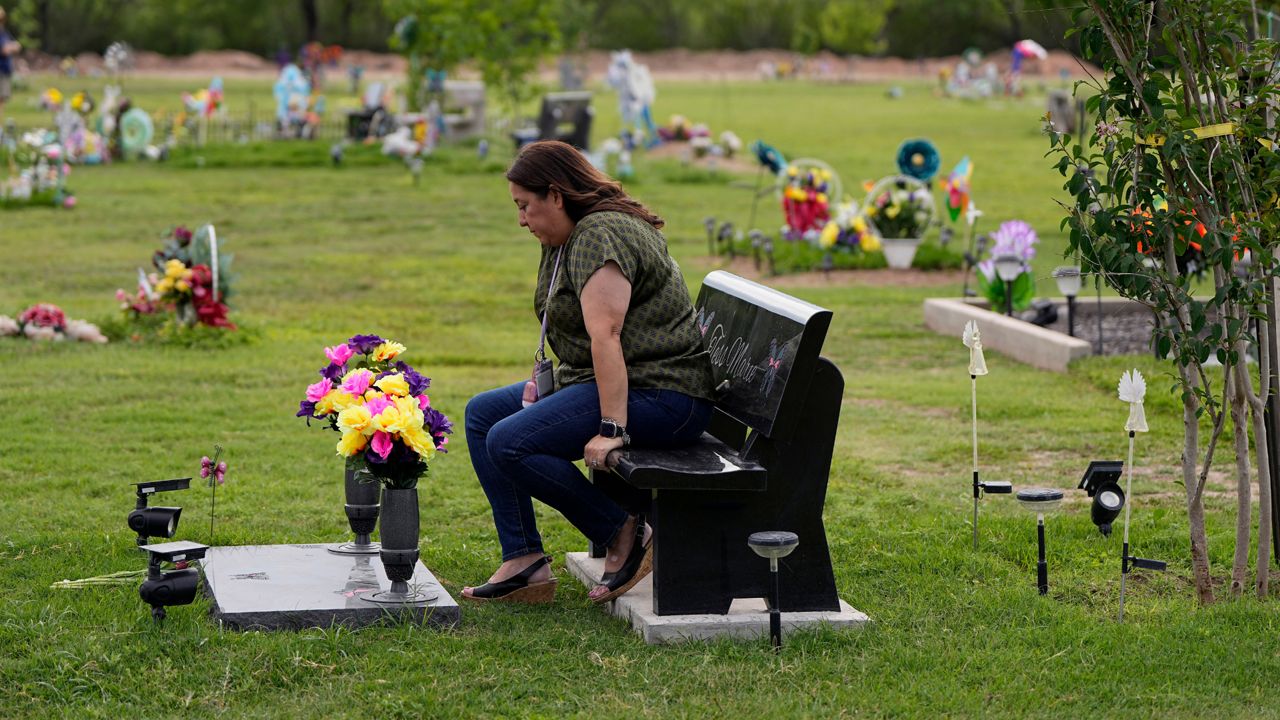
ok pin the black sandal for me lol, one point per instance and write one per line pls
(639, 563)
(517, 588)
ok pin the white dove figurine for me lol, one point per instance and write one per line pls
(973, 340)
(1133, 388)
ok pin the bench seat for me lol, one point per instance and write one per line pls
(707, 465)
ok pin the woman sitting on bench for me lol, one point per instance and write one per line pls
(617, 313)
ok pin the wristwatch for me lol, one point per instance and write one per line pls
(611, 428)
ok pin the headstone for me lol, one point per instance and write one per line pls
(278, 587)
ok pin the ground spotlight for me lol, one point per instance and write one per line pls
(774, 544)
(1101, 481)
(151, 522)
(175, 587)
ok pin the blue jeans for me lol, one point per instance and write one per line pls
(524, 453)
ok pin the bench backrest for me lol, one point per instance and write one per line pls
(764, 346)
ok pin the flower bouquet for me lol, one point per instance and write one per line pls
(380, 406)
(805, 201)
(1015, 238)
(900, 208)
(36, 172)
(849, 231)
(48, 322)
(193, 281)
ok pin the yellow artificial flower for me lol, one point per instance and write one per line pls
(387, 351)
(419, 441)
(828, 237)
(792, 171)
(892, 211)
(356, 419)
(372, 394)
(409, 410)
(822, 198)
(335, 401)
(870, 242)
(164, 286)
(859, 225)
(388, 420)
(394, 385)
(183, 286)
(174, 269)
(352, 443)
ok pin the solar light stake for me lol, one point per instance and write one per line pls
(972, 339)
(1042, 567)
(1040, 501)
(1124, 559)
(774, 544)
(710, 224)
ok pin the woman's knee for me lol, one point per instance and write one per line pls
(484, 411)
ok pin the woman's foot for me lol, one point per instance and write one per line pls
(624, 556)
(526, 578)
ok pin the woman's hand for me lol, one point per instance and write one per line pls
(596, 453)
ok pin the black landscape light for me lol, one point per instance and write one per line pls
(1040, 501)
(151, 522)
(1069, 281)
(726, 236)
(175, 587)
(1102, 482)
(757, 242)
(710, 224)
(1008, 268)
(774, 544)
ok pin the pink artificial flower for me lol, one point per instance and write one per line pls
(377, 405)
(206, 467)
(381, 444)
(319, 390)
(358, 382)
(424, 402)
(339, 354)
(122, 296)
(220, 472)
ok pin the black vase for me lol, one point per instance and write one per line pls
(362, 492)
(399, 545)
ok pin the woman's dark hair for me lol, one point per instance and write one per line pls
(553, 165)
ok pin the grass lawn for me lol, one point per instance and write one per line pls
(325, 253)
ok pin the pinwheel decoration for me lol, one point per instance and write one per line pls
(769, 156)
(957, 188)
(919, 159)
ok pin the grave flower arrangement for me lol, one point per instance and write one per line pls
(848, 230)
(48, 322)
(192, 280)
(36, 172)
(380, 406)
(805, 202)
(901, 212)
(1017, 238)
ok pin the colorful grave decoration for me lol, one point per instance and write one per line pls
(37, 171)
(848, 230)
(48, 322)
(380, 406)
(806, 192)
(957, 188)
(191, 280)
(1013, 238)
(919, 159)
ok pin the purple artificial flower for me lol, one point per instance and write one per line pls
(332, 372)
(364, 344)
(436, 422)
(306, 409)
(418, 383)
(1013, 238)
(182, 235)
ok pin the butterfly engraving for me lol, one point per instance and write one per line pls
(704, 323)
(773, 365)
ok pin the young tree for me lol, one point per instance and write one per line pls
(1181, 174)
(518, 35)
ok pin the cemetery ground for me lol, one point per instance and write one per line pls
(324, 253)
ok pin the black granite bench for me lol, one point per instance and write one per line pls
(762, 464)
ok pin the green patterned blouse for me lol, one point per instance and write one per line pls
(660, 340)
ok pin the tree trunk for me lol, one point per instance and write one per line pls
(348, 7)
(1244, 501)
(1195, 505)
(311, 19)
(1262, 446)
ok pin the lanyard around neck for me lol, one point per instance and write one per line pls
(546, 308)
